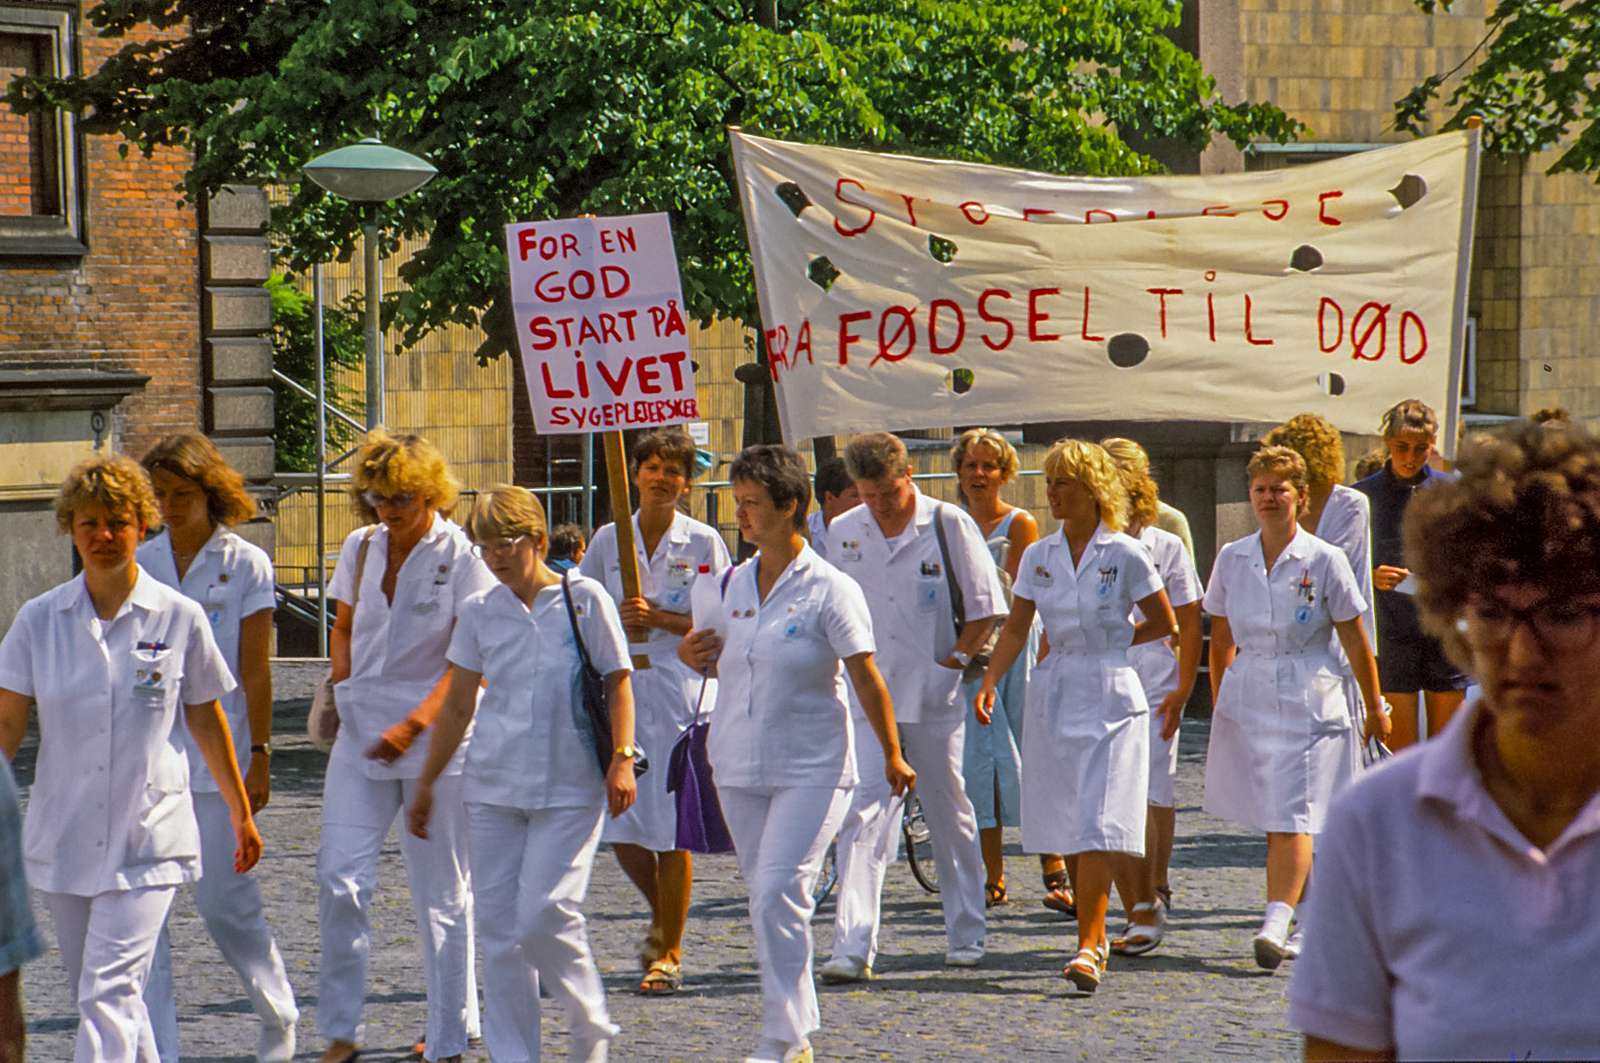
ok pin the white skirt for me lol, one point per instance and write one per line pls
(1085, 756)
(1157, 666)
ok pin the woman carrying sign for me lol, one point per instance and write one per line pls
(1279, 736)
(534, 794)
(671, 548)
(781, 738)
(1085, 753)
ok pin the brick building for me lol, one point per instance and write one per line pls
(122, 315)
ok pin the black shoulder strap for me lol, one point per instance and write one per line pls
(572, 618)
(958, 604)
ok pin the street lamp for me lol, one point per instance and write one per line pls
(371, 172)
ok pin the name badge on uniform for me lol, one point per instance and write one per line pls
(1108, 581)
(1043, 576)
(150, 674)
(932, 569)
(850, 550)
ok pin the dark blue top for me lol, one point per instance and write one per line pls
(1390, 495)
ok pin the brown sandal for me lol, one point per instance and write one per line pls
(1057, 897)
(995, 895)
(662, 979)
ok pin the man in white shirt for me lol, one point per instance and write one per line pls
(891, 546)
(836, 493)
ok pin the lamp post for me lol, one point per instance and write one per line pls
(371, 172)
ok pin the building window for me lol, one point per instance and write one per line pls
(40, 208)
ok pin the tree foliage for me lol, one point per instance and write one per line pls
(1533, 83)
(294, 353)
(538, 109)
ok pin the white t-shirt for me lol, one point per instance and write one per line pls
(110, 808)
(909, 597)
(397, 652)
(230, 579)
(783, 715)
(529, 748)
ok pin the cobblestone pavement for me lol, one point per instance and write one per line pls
(1199, 997)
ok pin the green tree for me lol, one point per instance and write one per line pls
(1533, 83)
(546, 108)
(295, 355)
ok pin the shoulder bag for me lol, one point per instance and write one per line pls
(322, 724)
(701, 826)
(958, 603)
(592, 691)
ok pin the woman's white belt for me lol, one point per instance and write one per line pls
(1303, 655)
(1102, 656)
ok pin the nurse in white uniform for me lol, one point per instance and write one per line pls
(1085, 738)
(389, 663)
(781, 738)
(109, 657)
(890, 546)
(200, 498)
(671, 548)
(1168, 679)
(534, 791)
(1280, 729)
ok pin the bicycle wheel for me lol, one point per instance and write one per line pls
(919, 845)
(827, 878)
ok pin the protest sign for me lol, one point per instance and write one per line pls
(600, 326)
(899, 292)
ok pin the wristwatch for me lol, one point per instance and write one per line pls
(627, 752)
(264, 748)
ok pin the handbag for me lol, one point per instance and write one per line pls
(701, 826)
(322, 723)
(592, 692)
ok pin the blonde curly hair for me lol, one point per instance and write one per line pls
(402, 465)
(1008, 461)
(1283, 462)
(1318, 442)
(1090, 465)
(504, 512)
(1133, 465)
(116, 482)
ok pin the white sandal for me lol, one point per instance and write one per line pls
(1085, 969)
(1140, 938)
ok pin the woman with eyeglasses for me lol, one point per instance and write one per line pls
(1455, 914)
(125, 674)
(791, 630)
(1280, 744)
(393, 626)
(671, 547)
(535, 795)
(201, 498)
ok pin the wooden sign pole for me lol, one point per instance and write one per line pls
(622, 518)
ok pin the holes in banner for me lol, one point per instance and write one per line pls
(1305, 258)
(822, 272)
(1409, 191)
(1331, 384)
(941, 249)
(1127, 349)
(793, 197)
(959, 381)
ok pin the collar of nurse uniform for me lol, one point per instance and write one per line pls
(146, 594)
(1448, 774)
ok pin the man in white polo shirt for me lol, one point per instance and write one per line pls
(890, 545)
(835, 494)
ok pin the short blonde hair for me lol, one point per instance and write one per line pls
(1279, 461)
(400, 465)
(1090, 465)
(505, 511)
(192, 456)
(1009, 464)
(116, 482)
(1133, 465)
(1315, 440)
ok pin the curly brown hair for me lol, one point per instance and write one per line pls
(405, 464)
(194, 457)
(1318, 442)
(116, 482)
(1525, 509)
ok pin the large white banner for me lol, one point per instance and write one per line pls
(603, 339)
(899, 292)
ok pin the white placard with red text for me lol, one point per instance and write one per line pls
(899, 292)
(600, 325)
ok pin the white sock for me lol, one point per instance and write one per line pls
(1277, 919)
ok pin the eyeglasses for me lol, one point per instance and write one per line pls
(496, 546)
(373, 499)
(1560, 625)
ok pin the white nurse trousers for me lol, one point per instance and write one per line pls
(780, 836)
(107, 942)
(230, 904)
(357, 813)
(530, 871)
(870, 836)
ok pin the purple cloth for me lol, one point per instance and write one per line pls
(701, 828)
